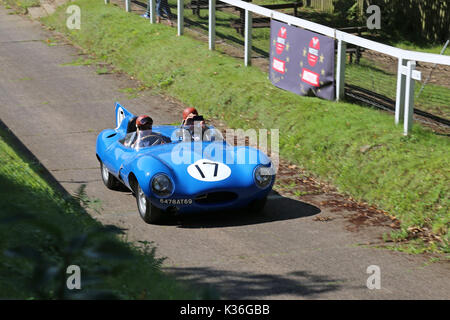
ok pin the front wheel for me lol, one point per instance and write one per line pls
(148, 212)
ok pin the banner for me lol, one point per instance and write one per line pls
(301, 61)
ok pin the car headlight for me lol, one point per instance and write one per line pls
(161, 185)
(263, 176)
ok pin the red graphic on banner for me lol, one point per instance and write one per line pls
(281, 40)
(313, 51)
(310, 77)
(278, 65)
(301, 61)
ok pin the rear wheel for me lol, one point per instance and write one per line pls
(108, 179)
(148, 212)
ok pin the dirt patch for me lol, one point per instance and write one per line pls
(359, 214)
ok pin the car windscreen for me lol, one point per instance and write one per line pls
(148, 138)
(188, 133)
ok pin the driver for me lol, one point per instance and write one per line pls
(145, 136)
(193, 123)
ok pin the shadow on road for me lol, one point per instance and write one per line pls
(278, 208)
(20, 148)
(8, 135)
(246, 285)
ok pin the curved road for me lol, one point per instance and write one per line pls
(57, 111)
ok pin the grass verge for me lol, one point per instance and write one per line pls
(21, 5)
(43, 233)
(359, 150)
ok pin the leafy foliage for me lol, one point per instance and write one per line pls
(415, 20)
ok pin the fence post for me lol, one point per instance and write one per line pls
(248, 38)
(400, 95)
(180, 13)
(409, 97)
(127, 6)
(212, 24)
(340, 70)
(152, 10)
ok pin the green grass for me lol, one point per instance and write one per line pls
(431, 48)
(406, 176)
(102, 70)
(46, 232)
(79, 62)
(22, 5)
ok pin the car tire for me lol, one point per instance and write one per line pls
(148, 212)
(108, 179)
(257, 206)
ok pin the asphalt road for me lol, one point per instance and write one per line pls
(57, 112)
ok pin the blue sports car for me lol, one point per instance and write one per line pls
(182, 169)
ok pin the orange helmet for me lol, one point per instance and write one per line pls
(144, 121)
(188, 111)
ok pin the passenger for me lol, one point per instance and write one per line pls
(188, 113)
(191, 117)
(194, 124)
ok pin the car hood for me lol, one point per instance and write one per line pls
(209, 166)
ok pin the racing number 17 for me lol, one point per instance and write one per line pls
(216, 167)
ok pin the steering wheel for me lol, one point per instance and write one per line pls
(151, 136)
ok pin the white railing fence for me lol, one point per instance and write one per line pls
(406, 73)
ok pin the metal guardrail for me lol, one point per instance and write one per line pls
(406, 73)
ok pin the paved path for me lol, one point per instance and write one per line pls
(57, 111)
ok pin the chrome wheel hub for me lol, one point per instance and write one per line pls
(105, 173)
(142, 201)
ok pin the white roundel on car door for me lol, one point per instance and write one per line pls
(120, 115)
(208, 170)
